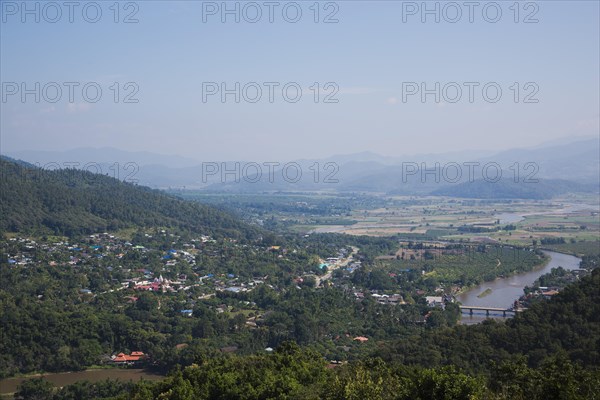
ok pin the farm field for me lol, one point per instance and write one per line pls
(514, 222)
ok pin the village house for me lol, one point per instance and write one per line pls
(124, 359)
(435, 301)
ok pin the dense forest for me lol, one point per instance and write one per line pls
(71, 202)
(568, 325)
(47, 324)
(492, 361)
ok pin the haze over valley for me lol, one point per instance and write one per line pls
(338, 200)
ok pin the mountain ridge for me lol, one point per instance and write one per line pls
(72, 202)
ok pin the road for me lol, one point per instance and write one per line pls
(339, 264)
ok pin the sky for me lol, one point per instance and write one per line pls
(389, 77)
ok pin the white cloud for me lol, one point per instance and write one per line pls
(357, 90)
(78, 107)
(48, 110)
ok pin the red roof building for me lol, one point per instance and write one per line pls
(123, 358)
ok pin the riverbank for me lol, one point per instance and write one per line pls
(8, 386)
(504, 291)
(542, 265)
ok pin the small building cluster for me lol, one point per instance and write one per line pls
(136, 357)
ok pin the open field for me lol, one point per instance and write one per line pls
(571, 217)
(515, 222)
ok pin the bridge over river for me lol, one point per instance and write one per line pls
(491, 310)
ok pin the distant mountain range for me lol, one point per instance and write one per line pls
(509, 189)
(536, 172)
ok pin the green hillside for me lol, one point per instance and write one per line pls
(71, 202)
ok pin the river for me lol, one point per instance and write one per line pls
(504, 291)
(568, 208)
(9, 385)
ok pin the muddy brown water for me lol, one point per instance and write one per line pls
(504, 291)
(10, 385)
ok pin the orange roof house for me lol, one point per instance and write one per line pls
(133, 357)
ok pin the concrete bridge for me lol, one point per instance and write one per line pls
(489, 310)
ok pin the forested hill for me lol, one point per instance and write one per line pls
(71, 202)
(567, 326)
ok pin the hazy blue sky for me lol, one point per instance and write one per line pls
(368, 54)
